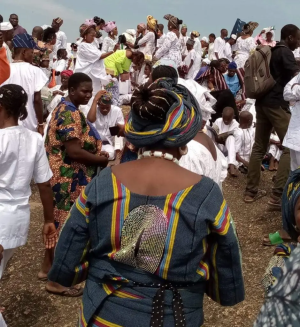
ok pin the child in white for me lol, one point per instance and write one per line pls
(189, 60)
(105, 115)
(224, 125)
(292, 139)
(60, 64)
(275, 151)
(245, 136)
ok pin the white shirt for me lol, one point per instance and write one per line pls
(103, 123)
(211, 52)
(226, 128)
(244, 140)
(171, 49)
(149, 41)
(61, 42)
(109, 44)
(200, 161)
(197, 46)
(160, 41)
(219, 47)
(187, 61)
(59, 65)
(22, 157)
(32, 79)
(183, 40)
(8, 52)
(88, 61)
(228, 51)
(292, 137)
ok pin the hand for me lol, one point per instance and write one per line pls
(1, 252)
(40, 129)
(99, 95)
(210, 85)
(121, 130)
(117, 47)
(104, 154)
(262, 32)
(57, 92)
(49, 235)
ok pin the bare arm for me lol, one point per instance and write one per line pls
(240, 159)
(92, 115)
(105, 55)
(38, 106)
(217, 55)
(76, 153)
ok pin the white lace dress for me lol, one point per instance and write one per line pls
(244, 47)
(171, 49)
(109, 44)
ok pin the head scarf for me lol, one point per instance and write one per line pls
(25, 41)
(163, 113)
(190, 42)
(252, 26)
(6, 26)
(233, 36)
(201, 71)
(220, 83)
(195, 33)
(205, 39)
(152, 22)
(270, 29)
(109, 26)
(173, 20)
(184, 26)
(166, 62)
(207, 61)
(106, 98)
(232, 65)
(58, 21)
(66, 73)
(85, 26)
(142, 25)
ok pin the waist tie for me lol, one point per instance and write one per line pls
(158, 304)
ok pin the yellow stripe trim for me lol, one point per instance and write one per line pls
(106, 323)
(114, 214)
(81, 318)
(174, 229)
(220, 214)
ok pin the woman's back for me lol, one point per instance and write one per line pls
(139, 242)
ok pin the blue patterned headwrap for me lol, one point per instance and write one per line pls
(163, 113)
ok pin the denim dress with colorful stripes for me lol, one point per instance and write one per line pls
(149, 260)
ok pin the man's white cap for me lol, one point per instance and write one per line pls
(233, 36)
(205, 39)
(6, 26)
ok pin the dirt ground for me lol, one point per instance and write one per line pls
(28, 304)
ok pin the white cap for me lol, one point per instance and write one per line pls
(205, 39)
(6, 26)
(233, 36)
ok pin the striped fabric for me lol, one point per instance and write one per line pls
(201, 249)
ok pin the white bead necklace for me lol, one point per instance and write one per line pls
(158, 154)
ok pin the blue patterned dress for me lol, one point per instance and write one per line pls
(149, 259)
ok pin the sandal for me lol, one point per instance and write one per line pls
(258, 195)
(275, 239)
(275, 203)
(70, 292)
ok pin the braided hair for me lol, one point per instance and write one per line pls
(150, 102)
(13, 99)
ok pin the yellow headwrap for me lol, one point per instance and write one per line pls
(152, 22)
(197, 34)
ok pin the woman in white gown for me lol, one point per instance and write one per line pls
(245, 44)
(171, 48)
(90, 58)
(111, 40)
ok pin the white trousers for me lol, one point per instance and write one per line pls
(2, 322)
(295, 160)
(275, 152)
(229, 150)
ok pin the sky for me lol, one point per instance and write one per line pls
(204, 16)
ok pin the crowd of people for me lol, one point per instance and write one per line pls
(133, 205)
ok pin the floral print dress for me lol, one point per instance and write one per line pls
(69, 177)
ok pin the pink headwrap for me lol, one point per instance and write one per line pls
(66, 73)
(109, 26)
(85, 26)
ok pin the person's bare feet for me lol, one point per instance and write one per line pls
(272, 164)
(232, 170)
(58, 289)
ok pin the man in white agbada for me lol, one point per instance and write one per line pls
(228, 47)
(227, 144)
(106, 117)
(292, 138)
(7, 31)
(197, 46)
(31, 78)
(190, 60)
(183, 39)
(219, 45)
